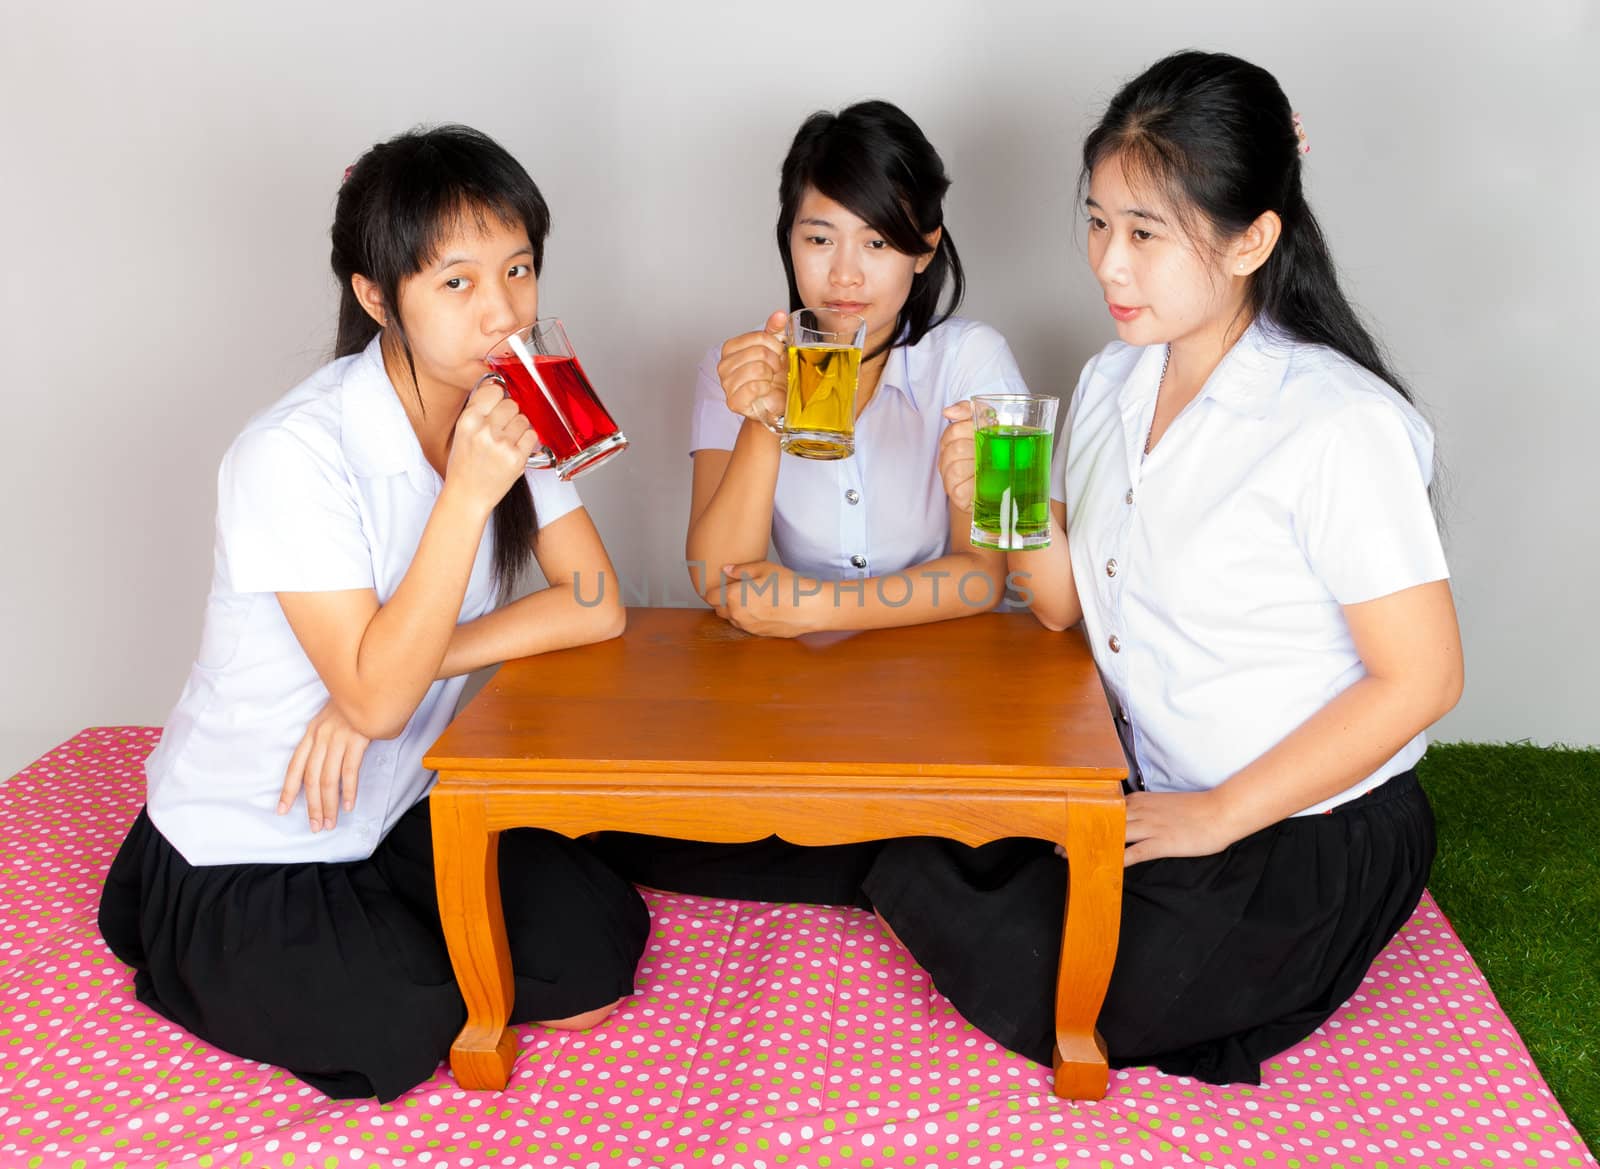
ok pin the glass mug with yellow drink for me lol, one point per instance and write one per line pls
(819, 417)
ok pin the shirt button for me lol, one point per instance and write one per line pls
(1128, 498)
(1111, 567)
(1123, 715)
(852, 496)
(1116, 646)
(858, 560)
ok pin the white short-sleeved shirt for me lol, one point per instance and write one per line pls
(328, 489)
(884, 509)
(1212, 572)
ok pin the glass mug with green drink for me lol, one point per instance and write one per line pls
(1011, 488)
(819, 417)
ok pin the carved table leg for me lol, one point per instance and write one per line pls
(1089, 941)
(466, 869)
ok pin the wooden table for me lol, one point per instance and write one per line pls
(973, 729)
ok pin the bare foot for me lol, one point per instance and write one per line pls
(888, 929)
(581, 1022)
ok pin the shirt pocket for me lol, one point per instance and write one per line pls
(220, 636)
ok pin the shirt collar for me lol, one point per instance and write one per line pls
(897, 372)
(1245, 380)
(1249, 375)
(375, 433)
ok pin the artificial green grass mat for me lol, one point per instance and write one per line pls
(1518, 875)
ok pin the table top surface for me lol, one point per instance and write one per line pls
(986, 697)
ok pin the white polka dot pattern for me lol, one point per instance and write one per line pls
(761, 1036)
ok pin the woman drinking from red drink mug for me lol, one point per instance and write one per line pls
(867, 541)
(1242, 525)
(276, 896)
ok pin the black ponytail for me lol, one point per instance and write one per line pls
(1298, 288)
(397, 204)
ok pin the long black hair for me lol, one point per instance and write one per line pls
(875, 161)
(397, 204)
(1217, 135)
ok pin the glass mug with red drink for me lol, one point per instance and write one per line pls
(540, 373)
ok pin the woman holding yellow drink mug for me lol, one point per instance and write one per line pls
(861, 232)
(868, 538)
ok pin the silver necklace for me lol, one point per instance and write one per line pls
(1161, 381)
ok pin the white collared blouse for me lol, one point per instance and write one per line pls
(327, 489)
(884, 509)
(1213, 571)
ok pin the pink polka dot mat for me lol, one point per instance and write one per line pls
(761, 1036)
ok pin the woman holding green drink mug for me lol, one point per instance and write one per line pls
(862, 236)
(1242, 528)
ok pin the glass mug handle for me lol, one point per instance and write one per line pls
(541, 458)
(776, 424)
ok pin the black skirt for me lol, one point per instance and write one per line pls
(1223, 960)
(760, 870)
(338, 972)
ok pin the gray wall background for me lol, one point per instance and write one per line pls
(169, 171)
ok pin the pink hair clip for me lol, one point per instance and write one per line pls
(1300, 133)
(352, 167)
